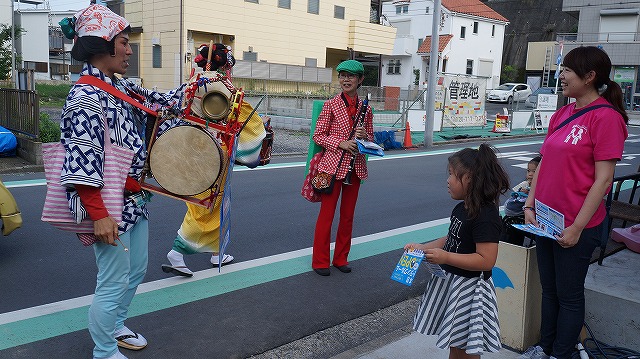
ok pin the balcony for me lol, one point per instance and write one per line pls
(599, 38)
(372, 38)
(622, 47)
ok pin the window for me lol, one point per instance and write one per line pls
(402, 9)
(253, 1)
(134, 69)
(463, 32)
(313, 7)
(58, 69)
(420, 41)
(310, 62)
(250, 56)
(338, 12)
(393, 68)
(285, 4)
(475, 28)
(116, 6)
(37, 66)
(469, 67)
(156, 56)
(444, 64)
(493, 30)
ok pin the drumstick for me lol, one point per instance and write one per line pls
(208, 66)
(125, 247)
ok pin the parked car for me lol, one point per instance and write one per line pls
(509, 92)
(532, 100)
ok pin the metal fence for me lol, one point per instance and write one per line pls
(20, 111)
(289, 99)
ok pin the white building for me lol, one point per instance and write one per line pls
(33, 44)
(42, 47)
(470, 42)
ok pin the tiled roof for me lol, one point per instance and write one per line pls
(443, 41)
(472, 7)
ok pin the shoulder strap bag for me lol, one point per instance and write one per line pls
(116, 168)
(580, 113)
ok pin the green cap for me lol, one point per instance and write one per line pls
(351, 66)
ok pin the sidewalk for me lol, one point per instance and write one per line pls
(15, 164)
(408, 346)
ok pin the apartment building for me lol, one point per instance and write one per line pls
(612, 25)
(281, 40)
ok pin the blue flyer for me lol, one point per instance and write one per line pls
(408, 266)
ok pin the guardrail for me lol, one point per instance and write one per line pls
(20, 111)
(599, 37)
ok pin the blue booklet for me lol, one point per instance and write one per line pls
(369, 148)
(407, 267)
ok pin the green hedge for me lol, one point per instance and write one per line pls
(49, 130)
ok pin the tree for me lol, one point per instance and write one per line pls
(5, 49)
(509, 74)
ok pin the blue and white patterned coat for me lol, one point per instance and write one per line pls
(83, 136)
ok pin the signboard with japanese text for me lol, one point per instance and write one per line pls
(547, 102)
(463, 101)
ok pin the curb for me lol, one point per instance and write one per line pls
(22, 169)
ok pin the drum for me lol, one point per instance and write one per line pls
(186, 160)
(212, 101)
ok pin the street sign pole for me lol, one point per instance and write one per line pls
(431, 81)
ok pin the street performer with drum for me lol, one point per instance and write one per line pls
(200, 228)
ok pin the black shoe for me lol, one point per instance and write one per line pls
(344, 268)
(322, 271)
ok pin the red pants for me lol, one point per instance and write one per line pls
(322, 236)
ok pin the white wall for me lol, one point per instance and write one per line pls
(33, 45)
(412, 27)
(478, 47)
(5, 13)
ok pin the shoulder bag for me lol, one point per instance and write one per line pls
(580, 113)
(117, 163)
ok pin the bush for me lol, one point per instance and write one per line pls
(52, 95)
(49, 130)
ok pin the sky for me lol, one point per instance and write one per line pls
(60, 4)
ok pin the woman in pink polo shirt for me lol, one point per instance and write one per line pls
(576, 171)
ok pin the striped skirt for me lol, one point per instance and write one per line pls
(462, 312)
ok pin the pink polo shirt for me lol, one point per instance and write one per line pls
(567, 171)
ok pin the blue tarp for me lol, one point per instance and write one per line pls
(386, 139)
(8, 143)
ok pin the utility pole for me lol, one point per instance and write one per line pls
(431, 82)
(14, 70)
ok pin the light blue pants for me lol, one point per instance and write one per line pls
(119, 274)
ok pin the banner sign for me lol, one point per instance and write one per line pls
(547, 102)
(464, 100)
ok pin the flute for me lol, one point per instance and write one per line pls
(359, 122)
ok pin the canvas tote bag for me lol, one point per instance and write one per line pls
(117, 162)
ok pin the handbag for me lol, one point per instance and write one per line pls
(323, 181)
(267, 145)
(308, 192)
(117, 162)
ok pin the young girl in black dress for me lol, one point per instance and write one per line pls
(460, 308)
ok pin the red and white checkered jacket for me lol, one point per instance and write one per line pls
(334, 126)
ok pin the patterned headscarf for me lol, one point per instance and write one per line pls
(96, 20)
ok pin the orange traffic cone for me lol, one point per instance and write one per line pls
(407, 136)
